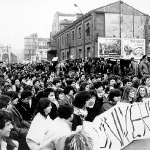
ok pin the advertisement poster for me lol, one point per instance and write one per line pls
(133, 48)
(109, 47)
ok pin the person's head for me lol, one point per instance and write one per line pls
(78, 141)
(57, 82)
(144, 58)
(43, 107)
(127, 82)
(99, 87)
(118, 62)
(147, 80)
(14, 97)
(3, 105)
(26, 96)
(49, 93)
(81, 98)
(136, 83)
(114, 95)
(17, 82)
(84, 86)
(129, 94)
(91, 102)
(36, 83)
(6, 99)
(142, 92)
(5, 124)
(59, 94)
(65, 111)
(69, 90)
(112, 81)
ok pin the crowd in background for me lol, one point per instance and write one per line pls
(49, 101)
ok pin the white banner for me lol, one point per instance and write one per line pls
(119, 126)
(133, 48)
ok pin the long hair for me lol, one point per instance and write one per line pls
(138, 96)
(126, 92)
(96, 110)
(42, 104)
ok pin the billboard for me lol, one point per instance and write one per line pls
(133, 48)
(109, 47)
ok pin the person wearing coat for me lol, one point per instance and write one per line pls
(144, 67)
(20, 126)
(24, 107)
(40, 124)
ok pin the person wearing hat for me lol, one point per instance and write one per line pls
(144, 66)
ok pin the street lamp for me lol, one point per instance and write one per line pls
(78, 8)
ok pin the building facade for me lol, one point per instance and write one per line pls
(116, 20)
(62, 20)
(35, 48)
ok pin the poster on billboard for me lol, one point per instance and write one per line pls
(133, 48)
(109, 47)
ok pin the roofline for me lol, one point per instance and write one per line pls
(94, 11)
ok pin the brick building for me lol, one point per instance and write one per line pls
(116, 20)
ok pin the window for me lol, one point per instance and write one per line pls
(79, 33)
(72, 35)
(87, 29)
(62, 40)
(58, 43)
(67, 40)
(63, 55)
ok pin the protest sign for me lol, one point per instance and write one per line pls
(119, 126)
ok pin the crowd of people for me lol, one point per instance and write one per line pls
(47, 105)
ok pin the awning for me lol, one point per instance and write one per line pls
(55, 59)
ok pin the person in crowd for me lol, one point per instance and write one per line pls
(127, 82)
(59, 95)
(93, 107)
(5, 129)
(61, 127)
(20, 126)
(24, 105)
(113, 98)
(100, 90)
(34, 99)
(50, 94)
(146, 81)
(129, 95)
(84, 86)
(142, 94)
(133, 67)
(68, 95)
(36, 84)
(80, 111)
(56, 83)
(117, 68)
(144, 67)
(16, 86)
(41, 122)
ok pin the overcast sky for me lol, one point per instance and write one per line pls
(20, 18)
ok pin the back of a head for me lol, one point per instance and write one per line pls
(5, 98)
(12, 94)
(78, 141)
(65, 111)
